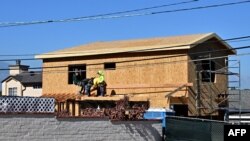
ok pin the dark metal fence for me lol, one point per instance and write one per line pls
(26, 105)
(192, 129)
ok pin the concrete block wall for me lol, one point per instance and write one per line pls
(49, 128)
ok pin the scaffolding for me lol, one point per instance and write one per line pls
(232, 71)
(234, 84)
(204, 71)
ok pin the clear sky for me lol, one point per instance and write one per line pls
(227, 22)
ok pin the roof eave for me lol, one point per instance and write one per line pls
(104, 52)
(208, 36)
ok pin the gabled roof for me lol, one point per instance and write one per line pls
(139, 45)
(27, 78)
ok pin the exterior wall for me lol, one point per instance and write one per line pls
(128, 72)
(10, 84)
(21, 90)
(42, 127)
(14, 70)
(30, 91)
(3, 88)
(208, 91)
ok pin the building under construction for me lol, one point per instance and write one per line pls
(186, 73)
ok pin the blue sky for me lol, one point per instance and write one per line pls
(227, 22)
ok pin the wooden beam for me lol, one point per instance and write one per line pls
(62, 106)
(71, 108)
(56, 106)
(176, 90)
(65, 106)
(143, 86)
(110, 98)
(77, 108)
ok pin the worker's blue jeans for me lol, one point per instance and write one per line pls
(87, 90)
(100, 90)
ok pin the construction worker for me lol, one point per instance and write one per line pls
(85, 84)
(88, 86)
(78, 81)
(100, 84)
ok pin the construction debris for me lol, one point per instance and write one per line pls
(123, 110)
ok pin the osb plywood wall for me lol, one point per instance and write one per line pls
(170, 67)
(209, 91)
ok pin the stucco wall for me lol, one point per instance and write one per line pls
(45, 127)
(10, 84)
(21, 90)
(30, 91)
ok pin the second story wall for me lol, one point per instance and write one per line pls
(208, 88)
(150, 68)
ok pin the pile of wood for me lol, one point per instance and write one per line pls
(63, 113)
(93, 112)
(122, 111)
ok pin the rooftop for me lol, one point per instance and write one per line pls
(138, 45)
(27, 77)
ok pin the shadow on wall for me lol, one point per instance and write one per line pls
(145, 129)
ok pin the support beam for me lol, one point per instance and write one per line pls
(65, 105)
(71, 113)
(62, 106)
(176, 90)
(77, 108)
(56, 106)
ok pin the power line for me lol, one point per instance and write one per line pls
(7, 24)
(139, 65)
(242, 38)
(120, 16)
(202, 52)
(194, 60)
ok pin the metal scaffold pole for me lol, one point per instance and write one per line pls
(239, 94)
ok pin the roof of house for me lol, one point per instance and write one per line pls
(27, 78)
(139, 45)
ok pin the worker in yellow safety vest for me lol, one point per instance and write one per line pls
(100, 84)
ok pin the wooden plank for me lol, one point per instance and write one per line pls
(105, 98)
(77, 109)
(71, 108)
(143, 86)
(178, 89)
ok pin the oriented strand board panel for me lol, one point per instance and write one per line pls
(209, 91)
(149, 68)
(156, 71)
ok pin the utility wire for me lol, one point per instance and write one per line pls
(127, 66)
(6, 24)
(137, 65)
(202, 52)
(120, 16)
(242, 38)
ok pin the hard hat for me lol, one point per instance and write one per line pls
(100, 72)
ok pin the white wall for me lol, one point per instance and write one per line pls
(30, 91)
(10, 83)
(3, 88)
(21, 90)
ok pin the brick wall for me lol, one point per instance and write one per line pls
(47, 127)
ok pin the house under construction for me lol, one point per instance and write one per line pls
(176, 72)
